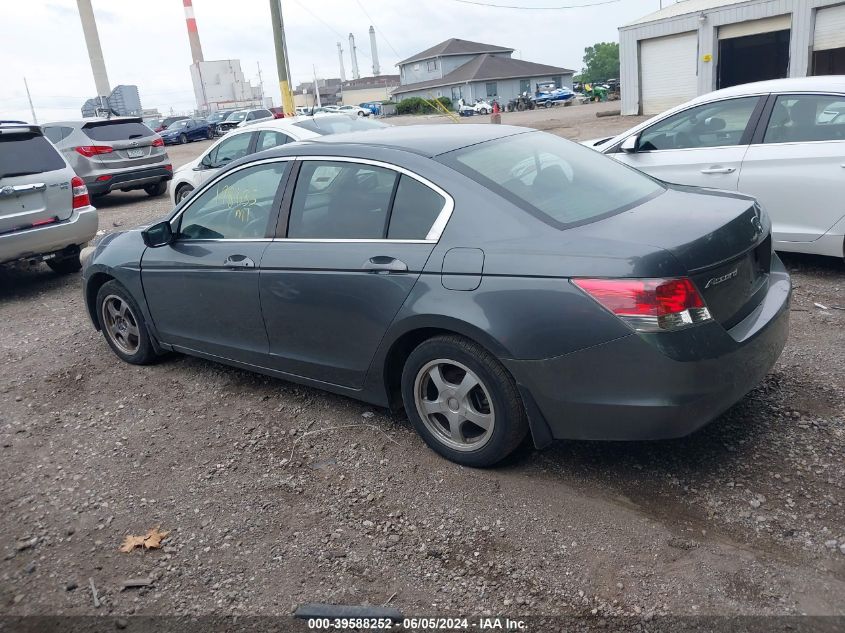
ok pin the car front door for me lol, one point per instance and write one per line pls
(202, 289)
(702, 145)
(231, 148)
(357, 237)
(795, 165)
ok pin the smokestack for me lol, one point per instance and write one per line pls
(354, 52)
(95, 53)
(193, 34)
(376, 70)
(340, 61)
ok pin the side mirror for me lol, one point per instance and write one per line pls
(160, 234)
(205, 163)
(629, 145)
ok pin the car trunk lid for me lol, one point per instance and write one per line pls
(35, 187)
(721, 238)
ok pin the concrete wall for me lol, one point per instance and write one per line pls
(366, 95)
(800, 44)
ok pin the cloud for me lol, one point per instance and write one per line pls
(146, 43)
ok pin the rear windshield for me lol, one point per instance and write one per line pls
(116, 131)
(339, 124)
(559, 181)
(23, 154)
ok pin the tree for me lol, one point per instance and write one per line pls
(601, 62)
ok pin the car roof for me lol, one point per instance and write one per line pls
(426, 140)
(95, 119)
(823, 83)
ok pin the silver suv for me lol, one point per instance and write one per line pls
(45, 212)
(110, 154)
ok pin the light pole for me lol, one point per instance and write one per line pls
(282, 65)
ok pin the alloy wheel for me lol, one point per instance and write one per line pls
(120, 324)
(454, 404)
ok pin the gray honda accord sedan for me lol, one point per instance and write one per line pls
(492, 281)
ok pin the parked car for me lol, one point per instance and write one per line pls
(257, 138)
(155, 124)
(373, 106)
(411, 266)
(354, 110)
(479, 107)
(166, 122)
(553, 97)
(216, 118)
(778, 140)
(45, 212)
(187, 130)
(120, 153)
(240, 118)
(278, 113)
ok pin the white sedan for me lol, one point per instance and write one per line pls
(781, 141)
(353, 109)
(241, 142)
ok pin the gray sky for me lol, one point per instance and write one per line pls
(146, 43)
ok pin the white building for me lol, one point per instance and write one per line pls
(697, 46)
(221, 84)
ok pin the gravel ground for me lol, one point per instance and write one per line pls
(276, 495)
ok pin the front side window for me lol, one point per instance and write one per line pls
(339, 200)
(556, 180)
(806, 118)
(230, 149)
(710, 125)
(268, 139)
(238, 206)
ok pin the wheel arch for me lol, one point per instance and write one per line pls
(92, 287)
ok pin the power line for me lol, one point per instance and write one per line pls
(327, 25)
(510, 6)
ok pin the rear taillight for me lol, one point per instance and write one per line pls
(649, 305)
(158, 142)
(80, 193)
(169, 167)
(92, 150)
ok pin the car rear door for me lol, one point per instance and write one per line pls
(202, 289)
(795, 165)
(357, 236)
(702, 145)
(35, 187)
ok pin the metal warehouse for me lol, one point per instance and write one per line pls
(696, 46)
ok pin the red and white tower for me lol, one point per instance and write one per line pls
(193, 34)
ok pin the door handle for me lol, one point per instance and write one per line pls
(385, 264)
(718, 170)
(238, 261)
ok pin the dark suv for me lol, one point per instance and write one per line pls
(113, 154)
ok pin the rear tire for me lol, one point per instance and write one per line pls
(122, 324)
(156, 189)
(66, 265)
(462, 401)
(482, 111)
(209, 134)
(548, 104)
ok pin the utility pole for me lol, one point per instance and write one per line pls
(317, 88)
(260, 83)
(281, 55)
(95, 51)
(31, 107)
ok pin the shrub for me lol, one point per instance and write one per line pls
(417, 105)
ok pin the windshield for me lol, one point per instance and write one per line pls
(339, 124)
(178, 125)
(555, 179)
(237, 116)
(217, 116)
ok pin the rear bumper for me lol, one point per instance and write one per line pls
(658, 386)
(131, 179)
(51, 239)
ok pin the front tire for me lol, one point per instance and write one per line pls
(66, 265)
(122, 324)
(462, 401)
(183, 138)
(156, 189)
(183, 192)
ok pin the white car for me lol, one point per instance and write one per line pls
(781, 141)
(242, 118)
(243, 141)
(353, 109)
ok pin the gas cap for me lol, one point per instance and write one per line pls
(462, 268)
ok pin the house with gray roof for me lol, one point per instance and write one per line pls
(471, 70)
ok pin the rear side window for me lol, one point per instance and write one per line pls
(559, 181)
(115, 131)
(24, 154)
(415, 209)
(806, 118)
(268, 139)
(56, 133)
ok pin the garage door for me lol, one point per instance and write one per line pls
(830, 28)
(668, 71)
